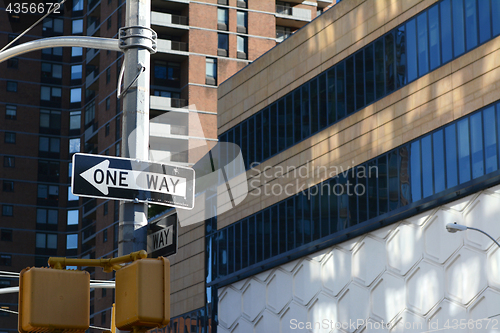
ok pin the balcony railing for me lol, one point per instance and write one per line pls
(166, 19)
(164, 103)
(170, 45)
(296, 13)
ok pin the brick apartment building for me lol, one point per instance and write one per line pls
(56, 102)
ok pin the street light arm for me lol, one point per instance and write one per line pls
(485, 234)
(69, 41)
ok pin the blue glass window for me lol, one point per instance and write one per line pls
(434, 45)
(340, 91)
(267, 233)
(360, 192)
(411, 33)
(390, 70)
(251, 141)
(370, 74)
(427, 179)
(490, 140)
(299, 220)
(282, 227)
(451, 156)
(273, 123)
(423, 54)
(416, 173)
(231, 250)
(290, 223)
(383, 186)
(438, 156)
(379, 68)
(484, 21)
(260, 236)
(400, 59)
(495, 12)
(244, 142)
(323, 115)
(252, 240)
(360, 81)
(332, 106)
(315, 217)
(274, 230)
(393, 180)
(297, 116)
(281, 125)
(463, 150)
(446, 37)
(266, 136)
(305, 111)
(334, 211)
(458, 27)
(471, 23)
(325, 214)
(289, 120)
(258, 137)
(372, 174)
(349, 85)
(477, 154)
(244, 243)
(353, 198)
(314, 106)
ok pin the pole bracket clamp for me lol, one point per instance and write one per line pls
(137, 37)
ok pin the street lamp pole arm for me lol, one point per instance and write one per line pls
(111, 44)
(485, 234)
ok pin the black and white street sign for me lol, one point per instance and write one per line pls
(127, 179)
(162, 236)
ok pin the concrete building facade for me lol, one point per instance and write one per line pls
(365, 133)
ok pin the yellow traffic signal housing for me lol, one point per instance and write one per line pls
(142, 292)
(53, 299)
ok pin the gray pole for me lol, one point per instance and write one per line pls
(133, 216)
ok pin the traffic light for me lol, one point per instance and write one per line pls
(143, 294)
(53, 299)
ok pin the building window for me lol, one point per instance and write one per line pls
(242, 21)
(117, 149)
(48, 192)
(222, 18)
(13, 63)
(45, 241)
(89, 113)
(51, 71)
(222, 45)
(71, 196)
(10, 137)
(103, 318)
(211, 71)
(76, 95)
(119, 16)
(106, 152)
(106, 130)
(74, 145)
(108, 75)
(108, 24)
(11, 112)
(8, 186)
(48, 169)
(105, 209)
(72, 241)
(76, 52)
(49, 145)
(5, 260)
(76, 72)
(50, 94)
(11, 86)
(52, 26)
(242, 47)
(283, 32)
(6, 235)
(103, 292)
(9, 161)
(108, 103)
(77, 5)
(77, 27)
(46, 216)
(241, 3)
(75, 120)
(50, 119)
(4, 283)
(7, 210)
(222, 2)
(167, 73)
(105, 235)
(72, 217)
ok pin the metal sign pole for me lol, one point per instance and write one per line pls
(135, 128)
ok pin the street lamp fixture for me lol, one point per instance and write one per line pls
(454, 227)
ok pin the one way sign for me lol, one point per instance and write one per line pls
(127, 179)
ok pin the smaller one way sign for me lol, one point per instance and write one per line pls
(162, 236)
(127, 179)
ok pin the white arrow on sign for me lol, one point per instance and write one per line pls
(102, 178)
